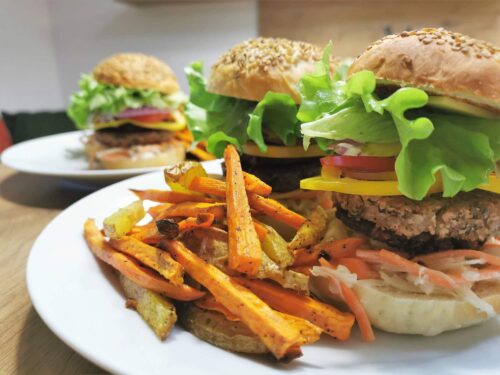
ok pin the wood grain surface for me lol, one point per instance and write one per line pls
(354, 24)
(27, 346)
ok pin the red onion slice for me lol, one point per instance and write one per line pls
(144, 111)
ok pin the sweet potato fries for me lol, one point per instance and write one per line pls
(208, 229)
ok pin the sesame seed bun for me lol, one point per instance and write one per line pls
(252, 68)
(438, 61)
(136, 71)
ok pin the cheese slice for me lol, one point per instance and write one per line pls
(177, 125)
(377, 188)
(458, 106)
(283, 152)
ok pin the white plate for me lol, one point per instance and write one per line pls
(62, 155)
(80, 301)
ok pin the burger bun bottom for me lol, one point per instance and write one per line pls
(393, 310)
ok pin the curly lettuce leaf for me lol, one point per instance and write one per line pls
(218, 119)
(278, 112)
(321, 93)
(97, 98)
(222, 120)
(462, 150)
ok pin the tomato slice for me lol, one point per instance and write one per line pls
(360, 163)
(151, 118)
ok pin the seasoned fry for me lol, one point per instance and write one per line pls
(333, 322)
(311, 231)
(212, 186)
(276, 210)
(157, 259)
(179, 176)
(155, 310)
(147, 233)
(210, 303)
(156, 211)
(171, 229)
(260, 230)
(188, 209)
(345, 248)
(276, 247)
(202, 154)
(121, 222)
(306, 256)
(165, 196)
(256, 185)
(214, 328)
(130, 268)
(274, 331)
(245, 252)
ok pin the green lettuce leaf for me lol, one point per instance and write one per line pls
(218, 119)
(221, 120)
(279, 113)
(463, 150)
(96, 98)
(320, 92)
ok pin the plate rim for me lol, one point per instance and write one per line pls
(7, 155)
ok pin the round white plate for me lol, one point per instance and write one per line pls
(80, 301)
(62, 155)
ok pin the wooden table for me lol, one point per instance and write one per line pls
(27, 346)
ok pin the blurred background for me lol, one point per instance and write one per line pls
(47, 44)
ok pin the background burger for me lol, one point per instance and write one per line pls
(251, 101)
(414, 137)
(133, 104)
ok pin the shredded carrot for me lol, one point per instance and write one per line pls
(281, 338)
(474, 254)
(360, 267)
(245, 251)
(341, 248)
(371, 256)
(130, 268)
(476, 274)
(260, 229)
(305, 270)
(306, 256)
(352, 301)
(436, 277)
(276, 210)
(164, 196)
(334, 322)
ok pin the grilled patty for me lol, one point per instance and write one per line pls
(435, 223)
(282, 174)
(129, 135)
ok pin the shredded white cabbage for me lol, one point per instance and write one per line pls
(341, 273)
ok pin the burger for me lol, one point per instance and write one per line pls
(132, 105)
(413, 136)
(251, 101)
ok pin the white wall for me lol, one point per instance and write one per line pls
(84, 32)
(28, 74)
(44, 63)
